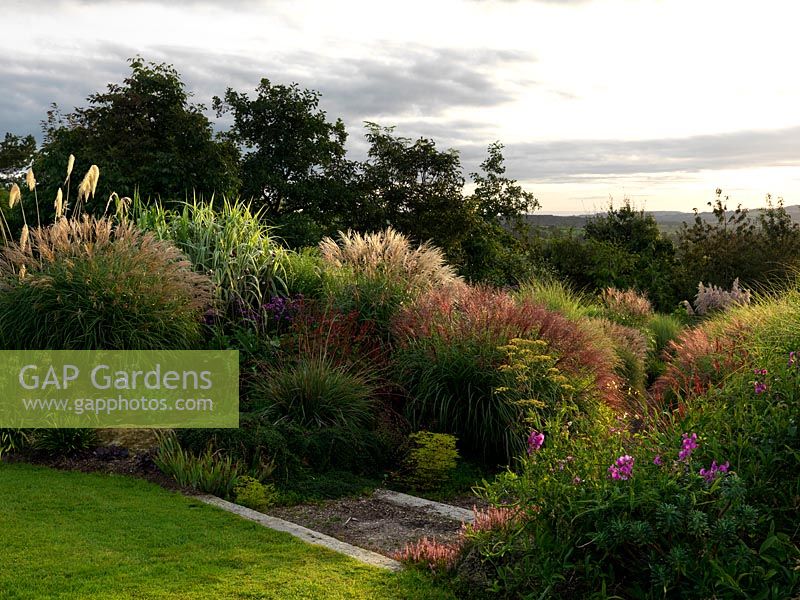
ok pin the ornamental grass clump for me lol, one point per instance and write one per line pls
(91, 284)
(449, 357)
(227, 243)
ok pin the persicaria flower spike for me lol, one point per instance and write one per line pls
(535, 441)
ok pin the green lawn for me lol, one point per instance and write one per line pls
(73, 535)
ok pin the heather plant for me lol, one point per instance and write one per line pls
(90, 284)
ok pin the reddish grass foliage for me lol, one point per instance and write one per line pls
(492, 317)
(321, 330)
(699, 360)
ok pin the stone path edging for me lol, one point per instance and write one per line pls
(446, 510)
(307, 535)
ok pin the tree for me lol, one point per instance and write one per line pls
(415, 188)
(16, 154)
(294, 163)
(761, 252)
(496, 249)
(143, 133)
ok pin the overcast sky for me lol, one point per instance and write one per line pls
(659, 101)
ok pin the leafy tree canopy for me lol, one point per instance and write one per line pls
(16, 153)
(142, 133)
(293, 157)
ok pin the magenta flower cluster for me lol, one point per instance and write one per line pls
(759, 387)
(711, 474)
(622, 469)
(688, 446)
(535, 441)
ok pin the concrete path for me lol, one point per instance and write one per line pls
(446, 510)
(305, 534)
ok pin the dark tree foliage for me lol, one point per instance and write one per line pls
(16, 153)
(763, 252)
(622, 248)
(415, 188)
(495, 251)
(294, 163)
(142, 134)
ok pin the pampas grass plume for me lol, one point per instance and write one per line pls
(30, 180)
(59, 204)
(70, 164)
(13, 196)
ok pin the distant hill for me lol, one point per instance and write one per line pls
(668, 220)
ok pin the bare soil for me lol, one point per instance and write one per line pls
(370, 523)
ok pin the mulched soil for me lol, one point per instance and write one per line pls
(370, 523)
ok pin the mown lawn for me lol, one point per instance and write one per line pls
(76, 535)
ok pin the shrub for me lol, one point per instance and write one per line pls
(450, 349)
(430, 460)
(91, 285)
(208, 472)
(65, 441)
(250, 492)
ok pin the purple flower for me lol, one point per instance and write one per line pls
(622, 469)
(759, 387)
(792, 359)
(535, 441)
(711, 474)
(760, 371)
(657, 460)
(688, 445)
(577, 480)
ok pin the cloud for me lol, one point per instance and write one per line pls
(582, 160)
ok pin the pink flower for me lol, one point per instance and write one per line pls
(711, 474)
(622, 469)
(688, 445)
(535, 441)
(657, 460)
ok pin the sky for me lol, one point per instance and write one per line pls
(660, 102)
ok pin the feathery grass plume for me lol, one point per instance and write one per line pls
(88, 186)
(91, 284)
(30, 180)
(13, 196)
(23, 240)
(22, 271)
(70, 164)
(59, 204)
(390, 254)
